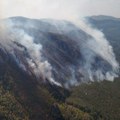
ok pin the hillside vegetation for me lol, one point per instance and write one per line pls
(24, 100)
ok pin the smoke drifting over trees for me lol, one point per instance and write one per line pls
(97, 60)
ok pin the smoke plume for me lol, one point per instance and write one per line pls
(95, 49)
(98, 45)
(98, 61)
(42, 68)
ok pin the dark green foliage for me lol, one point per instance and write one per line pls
(10, 108)
(110, 26)
(100, 99)
(24, 98)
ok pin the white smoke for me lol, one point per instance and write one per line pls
(42, 68)
(97, 45)
(93, 45)
(90, 45)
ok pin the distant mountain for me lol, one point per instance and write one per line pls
(104, 17)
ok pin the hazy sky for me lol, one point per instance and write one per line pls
(59, 9)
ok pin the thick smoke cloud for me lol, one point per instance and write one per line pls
(98, 45)
(91, 46)
(42, 68)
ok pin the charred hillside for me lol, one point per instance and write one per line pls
(58, 51)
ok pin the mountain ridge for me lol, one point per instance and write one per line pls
(26, 97)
